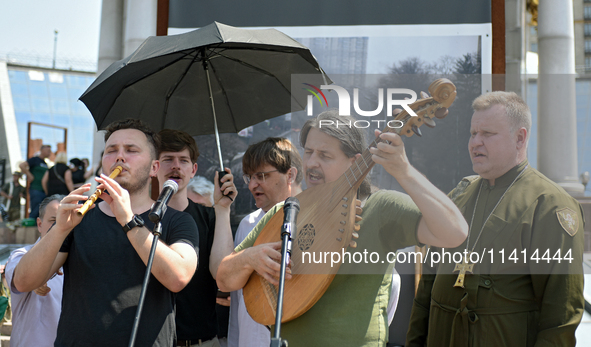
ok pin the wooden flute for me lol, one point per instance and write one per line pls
(82, 211)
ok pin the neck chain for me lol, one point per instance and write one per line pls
(466, 266)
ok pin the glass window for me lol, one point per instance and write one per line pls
(40, 105)
(17, 76)
(88, 81)
(19, 89)
(22, 117)
(534, 47)
(587, 12)
(62, 120)
(587, 46)
(75, 93)
(42, 117)
(82, 121)
(21, 104)
(78, 108)
(38, 90)
(59, 106)
(58, 91)
(587, 29)
(76, 81)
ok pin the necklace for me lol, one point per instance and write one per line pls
(465, 266)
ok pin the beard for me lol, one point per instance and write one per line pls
(139, 180)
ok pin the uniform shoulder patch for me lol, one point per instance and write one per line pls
(461, 187)
(568, 220)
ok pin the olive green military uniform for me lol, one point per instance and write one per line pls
(507, 302)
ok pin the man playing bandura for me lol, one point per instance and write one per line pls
(353, 310)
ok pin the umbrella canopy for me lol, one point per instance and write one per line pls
(165, 81)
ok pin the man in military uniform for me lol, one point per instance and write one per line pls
(531, 291)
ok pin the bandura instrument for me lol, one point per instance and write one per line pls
(91, 200)
(326, 222)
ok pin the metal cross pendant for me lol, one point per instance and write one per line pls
(463, 269)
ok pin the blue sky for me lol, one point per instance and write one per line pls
(27, 27)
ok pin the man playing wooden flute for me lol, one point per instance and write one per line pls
(104, 253)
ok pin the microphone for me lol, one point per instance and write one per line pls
(159, 208)
(290, 212)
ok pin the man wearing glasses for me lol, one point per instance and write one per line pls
(271, 167)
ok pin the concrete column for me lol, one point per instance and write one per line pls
(111, 34)
(139, 23)
(515, 27)
(10, 147)
(110, 50)
(557, 120)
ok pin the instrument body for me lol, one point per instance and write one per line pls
(326, 222)
(320, 233)
(92, 199)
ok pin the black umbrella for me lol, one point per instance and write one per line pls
(215, 79)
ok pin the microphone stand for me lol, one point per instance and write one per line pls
(293, 207)
(136, 323)
(276, 340)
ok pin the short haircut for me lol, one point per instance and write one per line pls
(136, 124)
(61, 157)
(278, 152)
(47, 201)
(515, 108)
(352, 138)
(296, 159)
(45, 146)
(201, 186)
(176, 141)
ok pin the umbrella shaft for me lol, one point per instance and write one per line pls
(215, 122)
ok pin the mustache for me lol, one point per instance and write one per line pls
(314, 172)
(175, 173)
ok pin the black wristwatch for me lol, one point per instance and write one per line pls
(136, 221)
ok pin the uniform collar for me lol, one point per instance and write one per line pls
(508, 177)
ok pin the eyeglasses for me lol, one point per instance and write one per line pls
(258, 176)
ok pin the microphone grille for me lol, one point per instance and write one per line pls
(293, 201)
(172, 184)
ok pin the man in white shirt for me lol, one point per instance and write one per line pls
(35, 314)
(271, 168)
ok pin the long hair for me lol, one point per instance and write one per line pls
(351, 138)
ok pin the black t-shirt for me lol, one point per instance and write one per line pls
(55, 184)
(103, 276)
(196, 314)
(78, 176)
